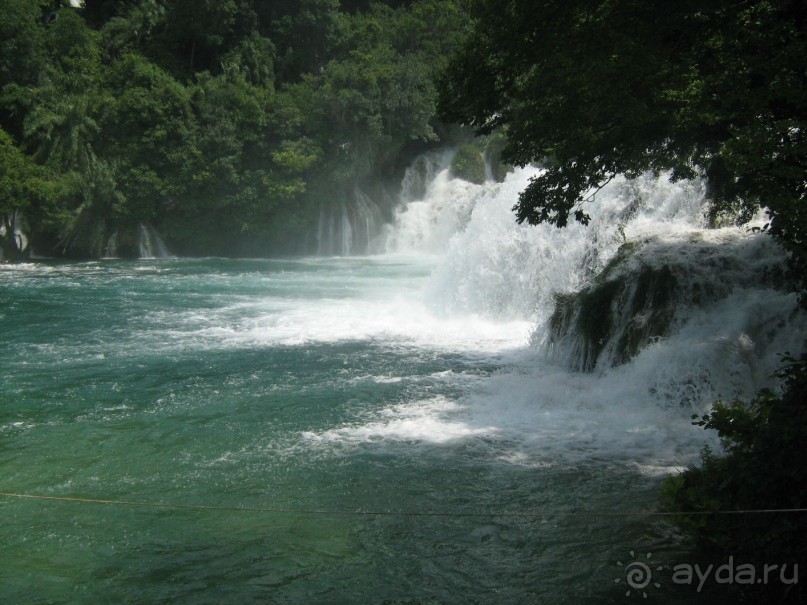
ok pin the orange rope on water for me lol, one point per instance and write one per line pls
(304, 511)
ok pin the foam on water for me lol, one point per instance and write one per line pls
(461, 278)
(496, 275)
(437, 420)
(349, 303)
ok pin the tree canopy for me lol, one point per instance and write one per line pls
(221, 123)
(596, 88)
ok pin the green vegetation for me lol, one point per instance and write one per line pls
(469, 164)
(221, 123)
(475, 157)
(620, 312)
(594, 89)
(762, 469)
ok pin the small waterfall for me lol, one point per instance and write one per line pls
(486, 160)
(434, 207)
(111, 248)
(151, 244)
(14, 243)
(346, 233)
(349, 229)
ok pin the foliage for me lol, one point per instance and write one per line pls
(597, 88)
(23, 186)
(227, 125)
(22, 43)
(761, 469)
(468, 164)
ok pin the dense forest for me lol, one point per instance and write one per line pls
(226, 125)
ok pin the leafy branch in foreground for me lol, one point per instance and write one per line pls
(596, 88)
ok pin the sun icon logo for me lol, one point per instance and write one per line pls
(638, 575)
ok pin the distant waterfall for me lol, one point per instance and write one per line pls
(349, 229)
(151, 244)
(111, 248)
(433, 207)
(14, 240)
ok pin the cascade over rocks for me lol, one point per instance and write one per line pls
(689, 310)
(650, 288)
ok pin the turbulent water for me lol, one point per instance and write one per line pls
(418, 382)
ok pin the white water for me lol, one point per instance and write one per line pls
(491, 291)
(350, 229)
(459, 277)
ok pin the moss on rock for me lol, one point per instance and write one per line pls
(468, 163)
(619, 315)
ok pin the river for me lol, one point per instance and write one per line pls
(379, 428)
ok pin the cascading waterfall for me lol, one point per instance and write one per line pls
(151, 244)
(434, 207)
(357, 226)
(349, 229)
(727, 317)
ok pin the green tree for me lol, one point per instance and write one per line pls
(95, 202)
(376, 99)
(16, 173)
(303, 31)
(22, 44)
(202, 31)
(133, 30)
(150, 135)
(22, 57)
(761, 469)
(61, 129)
(596, 88)
(25, 191)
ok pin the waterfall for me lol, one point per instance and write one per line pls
(350, 228)
(434, 207)
(486, 160)
(647, 291)
(421, 173)
(151, 244)
(497, 267)
(111, 248)
(16, 239)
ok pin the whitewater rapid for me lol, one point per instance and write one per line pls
(492, 287)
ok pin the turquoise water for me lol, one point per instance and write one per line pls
(315, 385)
